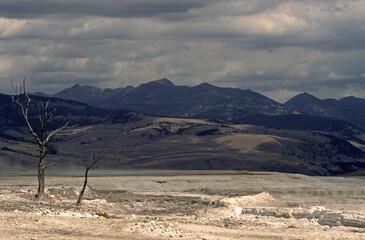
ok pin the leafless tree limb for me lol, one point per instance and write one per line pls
(49, 165)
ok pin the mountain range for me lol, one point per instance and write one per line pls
(205, 101)
(162, 97)
(158, 125)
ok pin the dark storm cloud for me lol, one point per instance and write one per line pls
(105, 8)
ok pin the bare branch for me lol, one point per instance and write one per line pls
(18, 88)
(53, 110)
(39, 112)
(54, 132)
(49, 165)
(93, 160)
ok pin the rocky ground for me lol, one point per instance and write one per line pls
(243, 206)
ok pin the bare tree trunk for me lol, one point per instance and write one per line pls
(83, 188)
(41, 182)
(92, 161)
(41, 168)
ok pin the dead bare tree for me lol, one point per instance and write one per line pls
(93, 160)
(42, 137)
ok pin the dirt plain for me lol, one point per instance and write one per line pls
(248, 205)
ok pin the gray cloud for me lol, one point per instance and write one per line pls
(106, 8)
(277, 47)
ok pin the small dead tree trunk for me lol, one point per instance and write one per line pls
(41, 168)
(42, 137)
(91, 163)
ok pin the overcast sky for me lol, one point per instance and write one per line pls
(275, 47)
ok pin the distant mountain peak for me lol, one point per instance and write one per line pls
(352, 102)
(347, 107)
(163, 81)
(302, 98)
(306, 95)
(41, 94)
(78, 87)
(350, 98)
(205, 86)
(75, 86)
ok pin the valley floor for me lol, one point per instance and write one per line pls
(249, 205)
